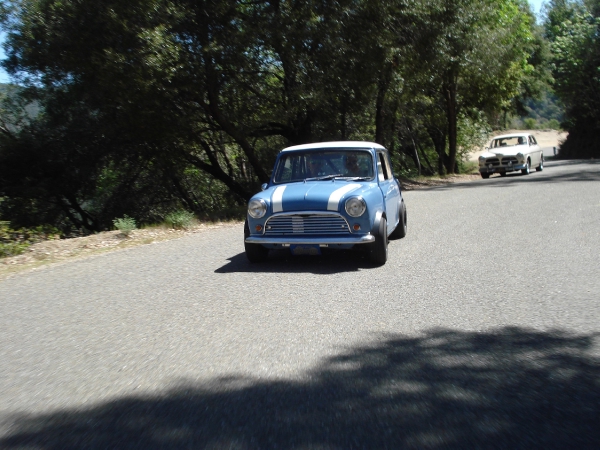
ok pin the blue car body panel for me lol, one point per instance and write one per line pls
(313, 212)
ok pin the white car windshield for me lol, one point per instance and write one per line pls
(509, 141)
(323, 164)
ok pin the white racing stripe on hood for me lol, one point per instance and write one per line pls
(277, 199)
(334, 198)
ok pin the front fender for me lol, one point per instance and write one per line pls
(377, 221)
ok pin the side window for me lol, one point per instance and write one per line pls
(383, 168)
(388, 165)
(532, 140)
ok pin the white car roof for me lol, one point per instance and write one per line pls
(335, 144)
(511, 135)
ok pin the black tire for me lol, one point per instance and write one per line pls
(485, 175)
(379, 248)
(526, 170)
(402, 227)
(502, 174)
(255, 253)
(541, 166)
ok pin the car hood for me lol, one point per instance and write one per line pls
(506, 151)
(313, 195)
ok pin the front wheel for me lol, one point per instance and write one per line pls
(379, 248)
(525, 171)
(254, 252)
(541, 166)
(402, 227)
(485, 175)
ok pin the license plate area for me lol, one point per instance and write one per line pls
(305, 249)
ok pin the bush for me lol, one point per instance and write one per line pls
(125, 225)
(180, 219)
(553, 124)
(530, 124)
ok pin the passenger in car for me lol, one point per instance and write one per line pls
(352, 167)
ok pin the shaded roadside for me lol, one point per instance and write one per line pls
(508, 388)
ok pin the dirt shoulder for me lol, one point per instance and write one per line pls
(57, 251)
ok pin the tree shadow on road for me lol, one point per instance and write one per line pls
(510, 388)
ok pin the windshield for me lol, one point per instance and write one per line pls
(323, 164)
(509, 141)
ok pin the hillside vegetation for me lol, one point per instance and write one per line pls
(162, 107)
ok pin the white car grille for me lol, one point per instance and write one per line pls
(509, 160)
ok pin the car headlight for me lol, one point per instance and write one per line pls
(482, 160)
(520, 156)
(355, 206)
(257, 208)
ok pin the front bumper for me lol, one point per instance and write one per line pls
(311, 240)
(499, 169)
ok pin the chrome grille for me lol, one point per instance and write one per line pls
(306, 224)
(492, 161)
(509, 159)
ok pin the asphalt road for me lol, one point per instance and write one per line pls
(481, 331)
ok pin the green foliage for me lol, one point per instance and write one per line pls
(530, 124)
(159, 106)
(125, 225)
(180, 219)
(553, 124)
(574, 30)
(16, 241)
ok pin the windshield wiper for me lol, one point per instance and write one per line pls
(357, 178)
(325, 177)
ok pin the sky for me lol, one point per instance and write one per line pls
(535, 6)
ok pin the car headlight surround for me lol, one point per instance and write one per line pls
(521, 157)
(355, 206)
(257, 208)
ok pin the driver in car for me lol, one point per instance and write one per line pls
(315, 167)
(352, 167)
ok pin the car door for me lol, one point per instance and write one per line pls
(389, 188)
(534, 152)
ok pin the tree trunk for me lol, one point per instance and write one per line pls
(218, 173)
(415, 151)
(439, 142)
(452, 117)
(382, 88)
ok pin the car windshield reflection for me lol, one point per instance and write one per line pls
(317, 165)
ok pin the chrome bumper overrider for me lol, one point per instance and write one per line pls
(311, 240)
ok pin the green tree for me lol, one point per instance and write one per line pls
(574, 30)
(472, 56)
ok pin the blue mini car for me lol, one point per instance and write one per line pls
(334, 195)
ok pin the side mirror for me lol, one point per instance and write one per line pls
(264, 186)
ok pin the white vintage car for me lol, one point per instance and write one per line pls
(509, 153)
